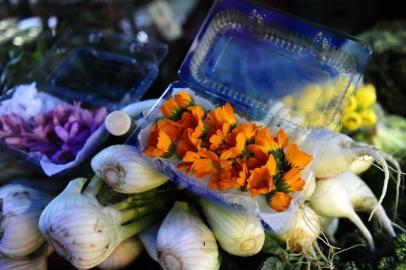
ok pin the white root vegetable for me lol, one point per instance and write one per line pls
(363, 199)
(310, 186)
(333, 153)
(361, 165)
(185, 242)
(329, 227)
(126, 253)
(303, 231)
(238, 232)
(332, 200)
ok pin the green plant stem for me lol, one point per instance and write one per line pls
(137, 225)
(94, 186)
(136, 200)
(134, 213)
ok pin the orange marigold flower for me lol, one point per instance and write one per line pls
(293, 180)
(258, 152)
(217, 139)
(264, 140)
(296, 158)
(162, 138)
(191, 117)
(236, 150)
(187, 120)
(183, 99)
(253, 163)
(261, 179)
(163, 148)
(279, 201)
(248, 129)
(220, 116)
(185, 144)
(171, 109)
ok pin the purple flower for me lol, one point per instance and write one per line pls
(59, 134)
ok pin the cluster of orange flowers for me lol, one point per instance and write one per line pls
(242, 156)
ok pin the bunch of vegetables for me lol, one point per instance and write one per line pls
(128, 204)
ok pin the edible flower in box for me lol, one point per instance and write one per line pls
(232, 154)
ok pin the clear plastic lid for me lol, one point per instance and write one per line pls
(99, 68)
(254, 57)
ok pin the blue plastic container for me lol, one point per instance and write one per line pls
(256, 58)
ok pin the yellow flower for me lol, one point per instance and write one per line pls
(352, 121)
(366, 96)
(350, 105)
(369, 118)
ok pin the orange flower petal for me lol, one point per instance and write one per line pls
(271, 165)
(164, 141)
(184, 145)
(187, 120)
(171, 109)
(191, 156)
(253, 163)
(216, 118)
(197, 133)
(297, 158)
(183, 99)
(282, 139)
(293, 179)
(258, 151)
(197, 111)
(263, 138)
(204, 167)
(153, 152)
(280, 201)
(260, 181)
(237, 150)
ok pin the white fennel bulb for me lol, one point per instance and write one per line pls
(126, 253)
(36, 261)
(20, 209)
(123, 168)
(185, 242)
(83, 231)
(239, 233)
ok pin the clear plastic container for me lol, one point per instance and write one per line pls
(99, 69)
(257, 59)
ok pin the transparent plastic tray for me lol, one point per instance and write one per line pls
(265, 64)
(99, 68)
